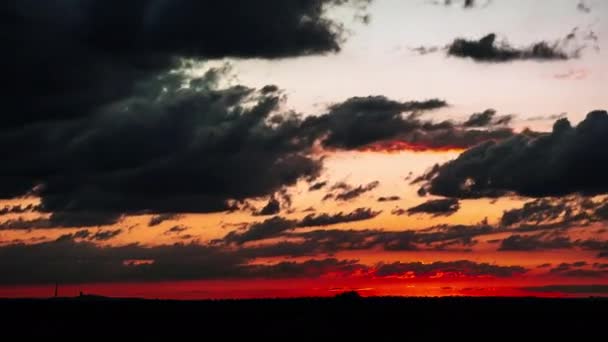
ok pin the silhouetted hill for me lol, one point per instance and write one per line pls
(347, 316)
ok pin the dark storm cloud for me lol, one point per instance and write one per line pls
(425, 50)
(487, 50)
(566, 161)
(389, 199)
(88, 62)
(455, 268)
(440, 207)
(99, 124)
(170, 149)
(480, 119)
(180, 145)
(487, 118)
(569, 289)
(158, 219)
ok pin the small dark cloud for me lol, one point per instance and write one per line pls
(583, 7)
(175, 230)
(440, 207)
(104, 235)
(572, 74)
(547, 265)
(350, 194)
(425, 50)
(399, 212)
(317, 186)
(271, 227)
(359, 214)
(273, 207)
(327, 197)
(465, 4)
(158, 219)
(487, 50)
(552, 117)
(101, 235)
(18, 209)
(487, 118)
(389, 199)
(81, 234)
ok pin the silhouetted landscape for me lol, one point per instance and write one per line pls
(340, 317)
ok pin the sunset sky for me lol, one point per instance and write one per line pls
(242, 149)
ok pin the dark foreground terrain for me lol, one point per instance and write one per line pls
(399, 319)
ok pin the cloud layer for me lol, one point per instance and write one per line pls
(566, 161)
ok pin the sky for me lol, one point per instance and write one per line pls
(240, 149)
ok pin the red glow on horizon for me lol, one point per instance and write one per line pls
(284, 288)
(396, 146)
